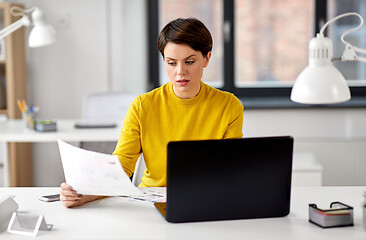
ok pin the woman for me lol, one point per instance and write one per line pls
(183, 109)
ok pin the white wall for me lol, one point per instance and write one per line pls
(95, 51)
(101, 46)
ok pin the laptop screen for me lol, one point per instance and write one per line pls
(229, 179)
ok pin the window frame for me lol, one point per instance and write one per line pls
(252, 97)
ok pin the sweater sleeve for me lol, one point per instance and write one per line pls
(128, 147)
(235, 126)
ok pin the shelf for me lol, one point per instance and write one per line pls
(13, 71)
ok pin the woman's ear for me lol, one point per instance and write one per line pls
(207, 59)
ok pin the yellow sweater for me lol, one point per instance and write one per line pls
(158, 117)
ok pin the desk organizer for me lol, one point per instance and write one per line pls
(339, 215)
(45, 125)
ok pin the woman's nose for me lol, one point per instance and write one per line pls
(181, 69)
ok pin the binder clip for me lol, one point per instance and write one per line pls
(339, 215)
(27, 224)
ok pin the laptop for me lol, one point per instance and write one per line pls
(212, 180)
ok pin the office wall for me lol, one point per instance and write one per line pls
(94, 51)
(101, 45)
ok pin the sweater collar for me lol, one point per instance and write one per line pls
(190, 101)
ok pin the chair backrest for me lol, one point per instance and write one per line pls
(139, 171)
(109, 106)
(106, 105)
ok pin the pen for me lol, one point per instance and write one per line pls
(34, 109)
(25, 107)
(21, 107)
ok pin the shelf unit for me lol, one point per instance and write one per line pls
(14, 86)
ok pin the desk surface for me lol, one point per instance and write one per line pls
(14, 131)
(330, 125)
(115, 218)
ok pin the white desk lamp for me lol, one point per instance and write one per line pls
(321, 82)
(41, 35)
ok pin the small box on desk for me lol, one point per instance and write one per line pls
(45, 125)
(339, 215)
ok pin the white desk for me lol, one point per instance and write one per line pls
(114, 218)
(305, 172)
(14, 131)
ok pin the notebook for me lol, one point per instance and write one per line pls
(228, 179)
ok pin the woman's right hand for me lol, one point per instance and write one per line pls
(70, 198)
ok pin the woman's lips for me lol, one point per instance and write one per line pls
(182, 82)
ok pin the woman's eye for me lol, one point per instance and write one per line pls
(190, 62)
(171, 63)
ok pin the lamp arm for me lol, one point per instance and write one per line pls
(24, 21)
(350, 54)
(359, 50)
(18, 11)
(361, 59)
(342, 16)
(353, 29)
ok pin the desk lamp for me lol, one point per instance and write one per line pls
(321, 82)
(41, 35)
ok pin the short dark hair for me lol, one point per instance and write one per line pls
(190, 31)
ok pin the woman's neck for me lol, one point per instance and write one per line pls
(187, 95)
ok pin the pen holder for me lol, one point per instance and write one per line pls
(28, 119)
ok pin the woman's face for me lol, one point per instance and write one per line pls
(185, 69)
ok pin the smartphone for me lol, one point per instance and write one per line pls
(50, 198)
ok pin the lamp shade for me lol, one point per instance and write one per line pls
(320, 82)
(42, 34)
(320, 85)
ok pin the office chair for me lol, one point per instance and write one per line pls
(106, 106)
(109, 106)
(139, 171)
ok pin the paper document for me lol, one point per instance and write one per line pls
(92, 173)
(152, 195)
